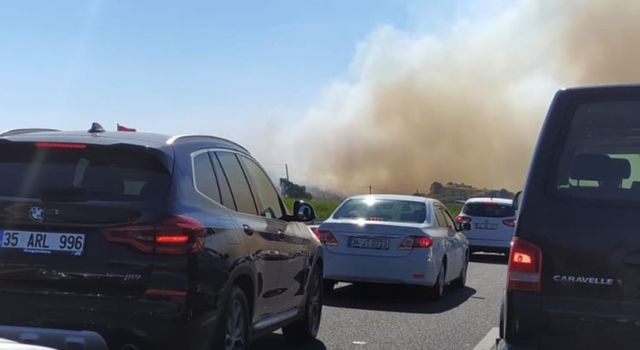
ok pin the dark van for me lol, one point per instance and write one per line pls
(574, 266)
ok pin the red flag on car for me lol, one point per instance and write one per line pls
(124, 128)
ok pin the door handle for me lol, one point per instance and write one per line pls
(281, 234)
(247, 229)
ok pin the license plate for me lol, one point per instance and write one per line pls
(42, 242)
(486, 226)
(368, 243)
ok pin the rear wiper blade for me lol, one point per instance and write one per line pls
(64, 193)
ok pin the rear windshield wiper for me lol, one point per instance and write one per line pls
(64, 194)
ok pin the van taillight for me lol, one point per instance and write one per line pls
(327, 238)
(177, 235)
(525, 267)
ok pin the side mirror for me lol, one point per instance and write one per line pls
(303, 211)
(464, 226)
(516, 201)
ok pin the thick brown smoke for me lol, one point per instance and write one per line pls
(465, 105)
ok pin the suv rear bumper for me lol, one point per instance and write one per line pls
(53, 338)
(160, 323)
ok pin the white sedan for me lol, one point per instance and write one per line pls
(394, 239)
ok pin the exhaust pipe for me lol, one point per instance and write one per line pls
(129, 347)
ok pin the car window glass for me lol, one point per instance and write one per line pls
(204, 178)
(378, 209)
(440, 217)
(449, 219)
(489, 209)
(226, 198)
(601, 158)
(238, 182)
(266, 196)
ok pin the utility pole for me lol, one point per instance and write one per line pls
(286, 169)
(370, 188)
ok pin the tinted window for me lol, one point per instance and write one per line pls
(489, 209)
(223, 184)
(238, 181)
(382, 210)
(205, 180)
(601, 156)
(266, 196)
(95, 173)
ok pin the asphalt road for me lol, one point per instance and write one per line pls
(371, 317)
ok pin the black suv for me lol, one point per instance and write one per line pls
(143, 240)
(574, 266)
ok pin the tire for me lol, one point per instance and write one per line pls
(233, 330)
(461, 281)
(327, 286)
(306, 329)
(437, 291)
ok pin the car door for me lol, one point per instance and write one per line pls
(458, 243)
(262, 236)
(291, 243)
(453, 265)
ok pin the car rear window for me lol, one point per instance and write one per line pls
(601, 157)
(91, 173)
(382, 210)
(489, 209)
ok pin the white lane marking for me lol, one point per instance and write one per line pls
(489, 340)
(359, 342)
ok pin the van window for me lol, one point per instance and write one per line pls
(601, 156)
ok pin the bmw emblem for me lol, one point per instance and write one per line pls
(36, 214)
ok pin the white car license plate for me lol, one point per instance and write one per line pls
(43, 242)
(486, 226)
(368, 243)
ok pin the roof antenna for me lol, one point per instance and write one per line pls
(96, 128)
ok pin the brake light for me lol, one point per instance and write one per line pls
(316, 231)
(411, 242)
(510, 222)
(460, 219)
(327, 238)
(175, 236)
(525, 267)
(170, 293)
(44, 145)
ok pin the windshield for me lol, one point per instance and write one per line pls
(91, 173)
(382, 210)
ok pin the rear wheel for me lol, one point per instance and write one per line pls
(461, 281)
(306, 329)
(233, 330)
(437, 291)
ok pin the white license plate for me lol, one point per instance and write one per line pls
(486, 226)
(42, 242)
(368, 243)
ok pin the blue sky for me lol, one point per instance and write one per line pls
(180, 66)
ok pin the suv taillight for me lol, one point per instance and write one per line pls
(175, 236)
(411, 242)
(460, 219)
(525, 267)
(327, 238)
(510, 222)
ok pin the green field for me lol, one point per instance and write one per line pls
(324, 208)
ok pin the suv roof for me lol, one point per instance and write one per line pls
(145, 139)
(489, 200)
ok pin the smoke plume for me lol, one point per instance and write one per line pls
(466, 104)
